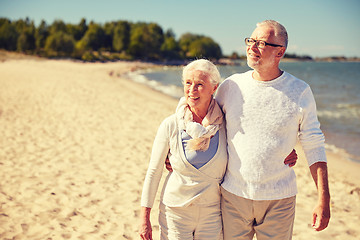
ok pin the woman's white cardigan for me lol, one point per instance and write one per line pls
(186, 184)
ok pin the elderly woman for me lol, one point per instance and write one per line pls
(194, 140)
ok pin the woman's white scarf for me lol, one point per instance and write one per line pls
(200, 133)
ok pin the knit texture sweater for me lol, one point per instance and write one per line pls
(264, 121)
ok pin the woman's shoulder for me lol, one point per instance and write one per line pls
(169, 119)
(169, 123)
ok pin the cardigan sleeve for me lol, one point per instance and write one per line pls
(310, 135)
(156, 165)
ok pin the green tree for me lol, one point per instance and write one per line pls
(4, 20)
(136, 45)
(204, 47)
(21, 24)
(131, 41)
(109, 35)
(121, 36)
(73, 30)
(26, 39)
(196, 46)
(83, 26)
(77, 31)
(146, 41)
(93, 38)
(81, 29)
(59, 44)
(41, 33)
(185, 41)
(58, 26)
(156, 35)
(8, 35)
(170, 47)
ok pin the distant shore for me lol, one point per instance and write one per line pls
(222, 61)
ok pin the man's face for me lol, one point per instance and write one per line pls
(267, 57)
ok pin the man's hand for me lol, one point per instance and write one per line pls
(168, 165)
(291, 159)
(321, 217)
(321, 213)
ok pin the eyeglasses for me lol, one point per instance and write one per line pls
(259, 43)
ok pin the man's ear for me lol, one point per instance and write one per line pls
(281, 52)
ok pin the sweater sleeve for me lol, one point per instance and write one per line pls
(156, 165)
(310, 135)
(221, 93)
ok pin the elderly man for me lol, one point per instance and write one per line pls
(266, 111)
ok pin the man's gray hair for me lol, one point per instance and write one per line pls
(280, 30)
(204, 66)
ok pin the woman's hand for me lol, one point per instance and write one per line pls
(145, 229)
(291, 159)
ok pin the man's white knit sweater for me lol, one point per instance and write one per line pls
(264, 119)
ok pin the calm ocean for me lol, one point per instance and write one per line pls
(336, 87)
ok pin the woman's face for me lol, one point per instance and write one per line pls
(198, 90)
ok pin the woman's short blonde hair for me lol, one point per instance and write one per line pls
(204, 66)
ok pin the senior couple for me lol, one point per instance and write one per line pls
(229, 177)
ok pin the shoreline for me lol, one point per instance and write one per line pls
(5, 54)
(77, 142)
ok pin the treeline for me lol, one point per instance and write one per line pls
(110, 41)
(297, 57)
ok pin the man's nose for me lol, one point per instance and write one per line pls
(253, 46)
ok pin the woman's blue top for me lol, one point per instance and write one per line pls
(200, 158)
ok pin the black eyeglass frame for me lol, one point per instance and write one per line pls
(257, 43)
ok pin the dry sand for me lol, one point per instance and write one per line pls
(75, 140)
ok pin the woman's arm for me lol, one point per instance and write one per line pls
(159, 154)
(145, 229)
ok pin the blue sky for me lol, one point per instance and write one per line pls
(317, 28)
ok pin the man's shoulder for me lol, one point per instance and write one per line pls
(231, 86)
(235, 78)
(294, 81)
(239, 76)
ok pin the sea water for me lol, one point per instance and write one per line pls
(336, 88)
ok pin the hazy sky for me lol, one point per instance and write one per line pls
(317, 28)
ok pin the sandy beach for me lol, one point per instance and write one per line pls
(75, 141)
